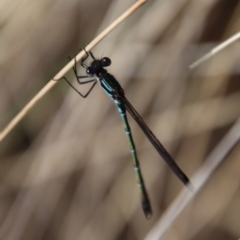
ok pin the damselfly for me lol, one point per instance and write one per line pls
(97, 72)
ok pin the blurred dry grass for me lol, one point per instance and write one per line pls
(66, 170)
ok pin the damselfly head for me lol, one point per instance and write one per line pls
(97, 66)
(106, 62)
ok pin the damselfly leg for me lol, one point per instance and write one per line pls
(92, 80)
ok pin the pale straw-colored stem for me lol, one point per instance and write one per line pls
(215, 50)
(61, 73)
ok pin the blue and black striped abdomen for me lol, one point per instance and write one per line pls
(146, 206)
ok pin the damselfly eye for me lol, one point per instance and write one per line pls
(106, 62)
(89, 71)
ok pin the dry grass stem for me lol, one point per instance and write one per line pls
(63, 71)
(215, 50)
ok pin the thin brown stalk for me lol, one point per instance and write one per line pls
(215, 50)
(64, 70)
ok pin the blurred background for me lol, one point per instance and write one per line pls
(66, 170)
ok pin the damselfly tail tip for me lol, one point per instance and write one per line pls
(147, 209)
(148, 214)
(187, 183)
